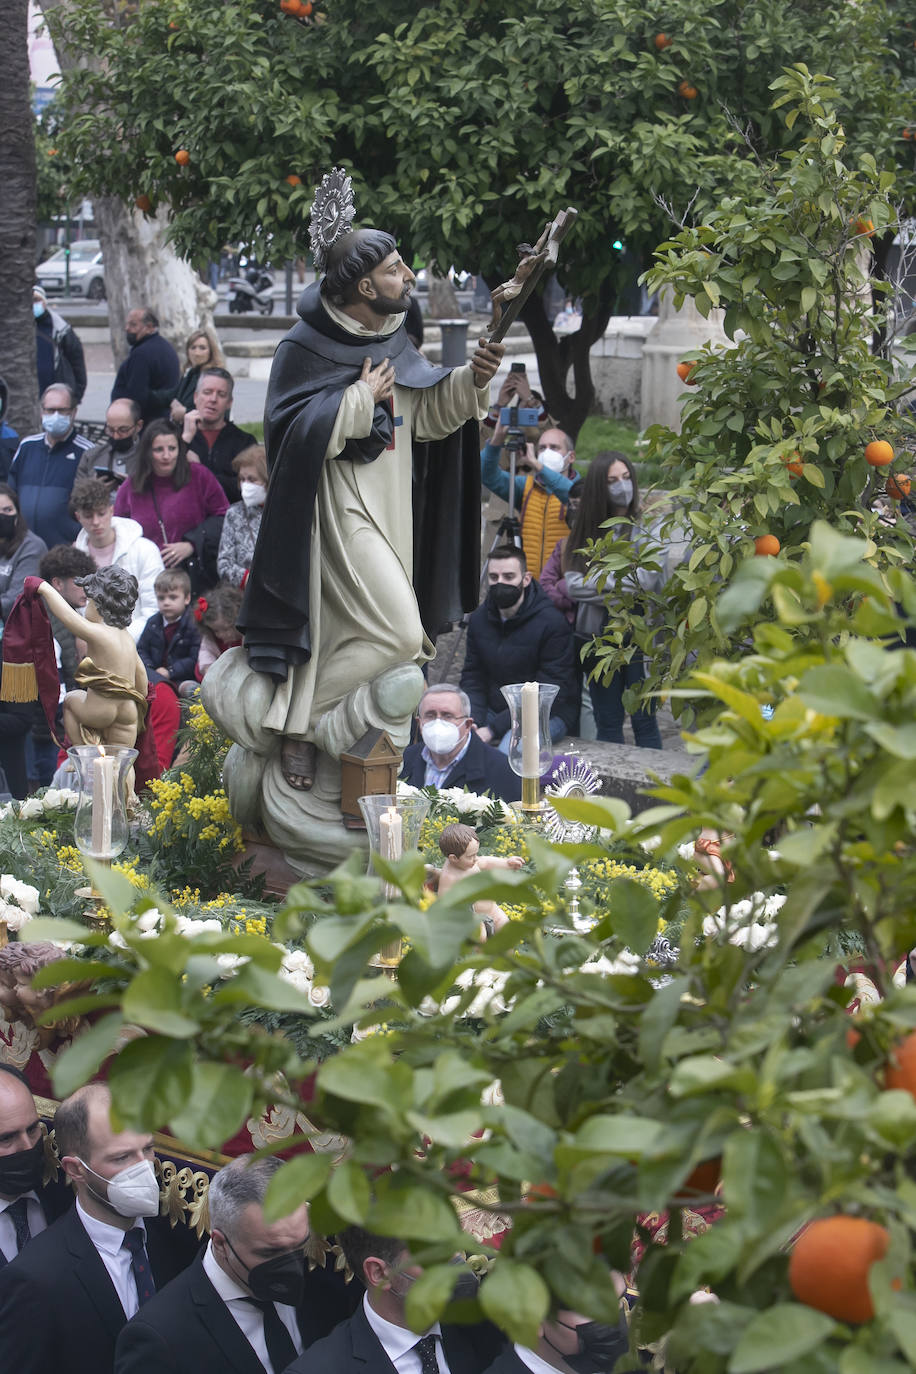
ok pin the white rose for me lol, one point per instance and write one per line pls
(116, 940)
(12, 916)
(230, 963)
(51, 798)
(652, 842)
(23, 894)
(148, 922)
(687, 850)
(31, 807)
(319, 996)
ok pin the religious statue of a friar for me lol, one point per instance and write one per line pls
(369, 542)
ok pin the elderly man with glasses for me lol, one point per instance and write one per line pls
(450, 754)
(111, 459)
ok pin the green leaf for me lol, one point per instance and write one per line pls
(836, 691)
(436, 933)
(411, 1211)
(608, 813)
(153, 1000)
(82, 1057)
(150, 1081)
(297, 1182)
(452, 1129)
(220, 1100)
(780, 1334)
(755, 1177)
(56, 928)
(808, 298)
(348, 1192)
(363, 1073)
(517, 1299)
(257, 987)
(428, 1296)
(632, 913)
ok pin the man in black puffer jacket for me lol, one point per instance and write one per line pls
(517, 635)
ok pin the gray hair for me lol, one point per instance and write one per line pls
(236, 1186)
(60, 386)
(439, 688)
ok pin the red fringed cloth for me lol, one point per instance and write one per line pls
(29, 664)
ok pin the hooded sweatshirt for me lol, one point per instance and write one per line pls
(138, 556)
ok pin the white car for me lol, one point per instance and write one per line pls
(86, 273)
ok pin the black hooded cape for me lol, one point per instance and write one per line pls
(313, 366)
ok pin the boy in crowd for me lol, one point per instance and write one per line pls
(170, 642)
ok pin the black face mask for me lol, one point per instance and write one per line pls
(502, 595)
(600, 1346)
(131, 337)
(22, 1172)
(7, 526)
(277, 1280)
(466, 1282)
(122, 445)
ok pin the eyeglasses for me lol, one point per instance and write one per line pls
(122, 431)
(441, 715)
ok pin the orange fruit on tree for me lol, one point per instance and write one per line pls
(901, 1071)
(794, 463)
(293, 180)
(52, 152)
(307, 8)
(684, 370)
(767, 544)
(703, 1178)
(879, 453)
(863, 226)
(182, 157)
(663, 41)
(688, 91)
(144, 203)
(908, 133)
(829, 1264)
(897, 486)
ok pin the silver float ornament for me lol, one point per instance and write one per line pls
(332, 214)
(575, 781)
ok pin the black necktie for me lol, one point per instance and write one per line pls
(280, 1348)
(426, 1349)
(135, 1242)
(18, 1213)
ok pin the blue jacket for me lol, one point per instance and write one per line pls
(481, 769)
(151, 366)
(181, 659)
(496, 479)
(43, 477)
(9, 442)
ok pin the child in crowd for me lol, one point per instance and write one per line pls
(216, 613)
(460, 845)
(170, 642)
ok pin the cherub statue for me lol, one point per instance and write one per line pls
(19, 1001)
(109, 706)
(461, 847)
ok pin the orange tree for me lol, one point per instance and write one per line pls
(557, 1055)
(801, 416)
(465, 124)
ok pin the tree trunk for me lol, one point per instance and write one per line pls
(443, 303)
(17, 222)
(141, 269)
(557, 355)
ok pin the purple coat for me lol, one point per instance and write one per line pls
(180, 511)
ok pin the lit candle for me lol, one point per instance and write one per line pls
(102, 804)
(531, 750)
(390, 834)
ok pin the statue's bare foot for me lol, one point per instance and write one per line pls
(298, 761)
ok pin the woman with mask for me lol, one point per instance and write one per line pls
(610, 489)
(201, 350)
(20, 550)
(180, 505)
(243, 519)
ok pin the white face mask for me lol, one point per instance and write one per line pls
(253, 493)
(132, 1192)
(552, 460)
(440, 736)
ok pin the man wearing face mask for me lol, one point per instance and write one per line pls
(377, 1336)
(44, 468)
(570, 1343)
(151, 371)
(517, 635)
(58, 343)
(69, 1292)
(540, 494)
(248, 1303)
(451, 754)
(111, 459)
(27, 1204)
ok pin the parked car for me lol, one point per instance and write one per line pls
(87, 277)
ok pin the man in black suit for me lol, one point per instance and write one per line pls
(247, 1305)
(28, 1204)
(64, 1299)
(570, 1343)
(377, 1336)
(451, 754)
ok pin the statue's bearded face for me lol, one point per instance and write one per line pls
(387, 287)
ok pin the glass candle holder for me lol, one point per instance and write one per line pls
(393, 825)
(100, 827)
(530, 745)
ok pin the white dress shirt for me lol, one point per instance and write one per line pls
(34, 1215)
(533, 1361)
(109, 1241)
(248, 1318)
(399, 1342)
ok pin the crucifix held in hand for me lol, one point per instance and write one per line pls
(509, 298)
